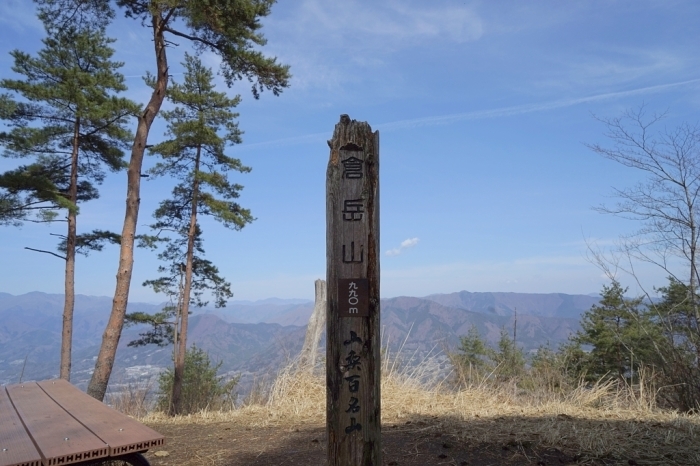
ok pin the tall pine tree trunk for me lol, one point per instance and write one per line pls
(179, 372)
(69, 282)
(110, 338)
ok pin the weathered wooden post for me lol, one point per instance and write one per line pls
(317, 322)
(353, 416)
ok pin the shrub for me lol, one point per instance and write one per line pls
(509, 359)
(202, 388)
(473, 359)
(550, 370)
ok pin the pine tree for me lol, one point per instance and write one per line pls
(64, 114)
(473, 359)
(202, 388)
(509, 358)
(200, 128)
(473, 351)
(613, 329)
(10, 208)
(676, 313)
(231, 30)
(676, 346)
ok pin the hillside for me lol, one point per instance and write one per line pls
(505, 304)
(30, 327)
(255, 338)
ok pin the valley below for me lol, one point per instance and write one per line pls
(254, 340)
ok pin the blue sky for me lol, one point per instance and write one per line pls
(484, 109)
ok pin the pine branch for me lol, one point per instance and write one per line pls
(45, 252)
(192, 38)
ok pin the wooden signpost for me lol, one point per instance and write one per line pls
(353, 419)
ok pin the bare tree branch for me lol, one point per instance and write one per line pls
(46, 252)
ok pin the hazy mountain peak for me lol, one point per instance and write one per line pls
(506, 303)
(273, 301)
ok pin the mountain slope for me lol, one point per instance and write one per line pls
(256, 338)
(504, 304)
(428, 323)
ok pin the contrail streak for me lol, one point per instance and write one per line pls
(529, 108)
(483, 114)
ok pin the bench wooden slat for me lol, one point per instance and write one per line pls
(16, 447)
(120, 432)
(49, 425)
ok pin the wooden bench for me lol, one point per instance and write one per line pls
(53, 423)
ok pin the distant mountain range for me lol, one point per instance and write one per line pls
(256, 338)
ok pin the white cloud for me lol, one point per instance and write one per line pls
(408, 243)
(615, 67)
(405, 244)
(459, 24)
(19, 15)
(326, 43)
(394, 21)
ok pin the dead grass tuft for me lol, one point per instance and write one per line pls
(132, 398)
(606, 421)
(297, 394)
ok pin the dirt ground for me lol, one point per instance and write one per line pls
(476, 427)
(226, 444)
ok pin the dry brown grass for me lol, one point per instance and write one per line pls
(132, 398)
(605, 422)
